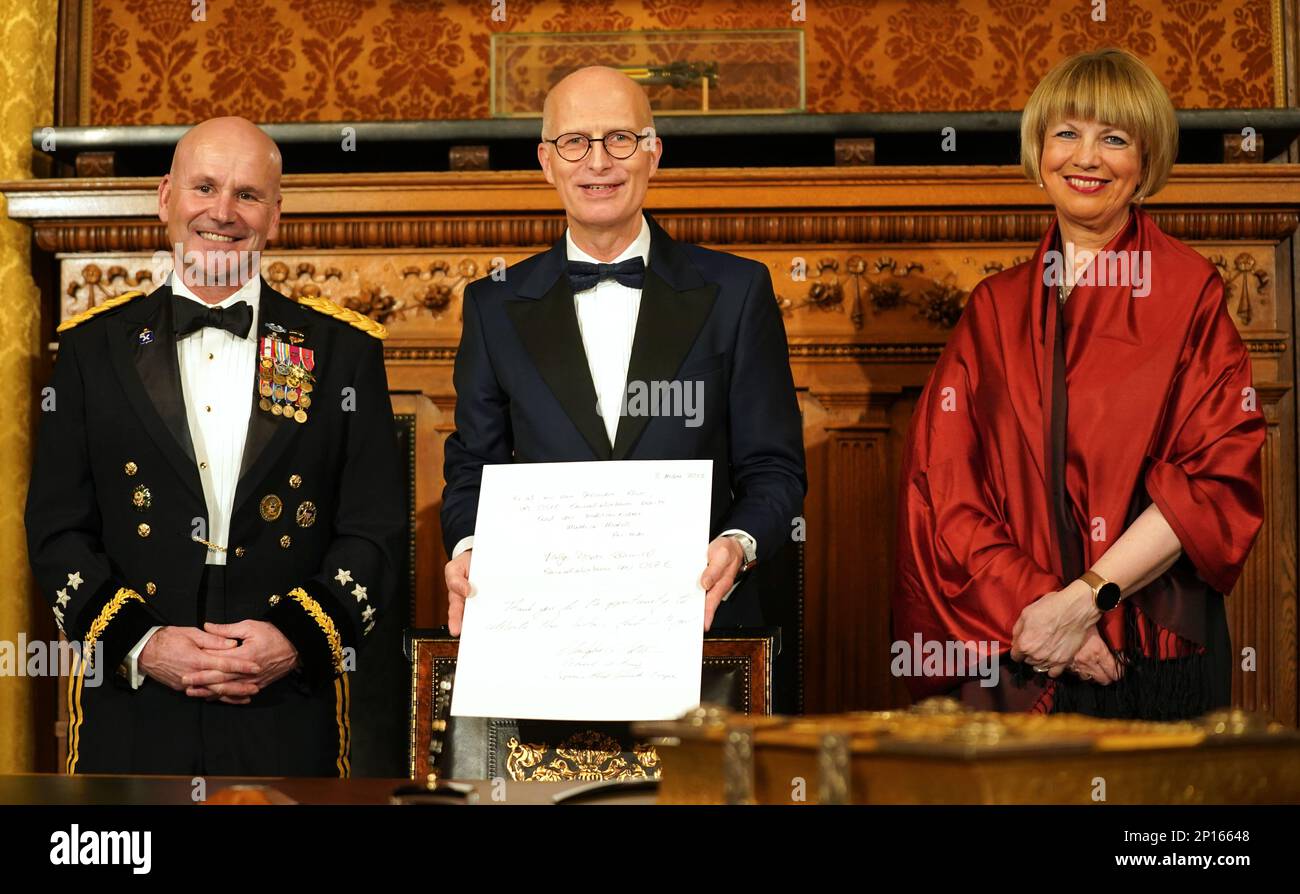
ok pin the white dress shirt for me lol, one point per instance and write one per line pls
(607, 320)
(607, 315)
(217, 373)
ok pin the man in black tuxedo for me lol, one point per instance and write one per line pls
(561, 360)
(216, 501)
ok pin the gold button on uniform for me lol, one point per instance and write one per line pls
(143, 530)
(203, 465)
(274, 600)
(150, 588)
(130, 469)
(239, 552)
(285, 541)
(295, 481)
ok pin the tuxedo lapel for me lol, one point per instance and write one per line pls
(548, 328)
(143, 351)
(675, 302)
(269, 435)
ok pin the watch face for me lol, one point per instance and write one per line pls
(1108, 596)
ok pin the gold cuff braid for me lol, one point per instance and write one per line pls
(324, 622)
(106, 614)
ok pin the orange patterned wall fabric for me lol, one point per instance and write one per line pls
(150, 62)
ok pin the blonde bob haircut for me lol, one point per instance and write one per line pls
(1113, 87)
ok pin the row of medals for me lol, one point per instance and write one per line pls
(284, 388)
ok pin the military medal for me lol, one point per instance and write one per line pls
(284, 375)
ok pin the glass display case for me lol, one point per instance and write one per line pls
(684, 72)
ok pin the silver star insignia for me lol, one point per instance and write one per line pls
(369, 627)
(368, 613)
(74, 580)
(58, 617)
(63, 597)
(343, 577)
(359, 592)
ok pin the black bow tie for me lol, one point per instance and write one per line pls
(190, 316)
(630, 273)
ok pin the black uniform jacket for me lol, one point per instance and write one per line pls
(116, 512)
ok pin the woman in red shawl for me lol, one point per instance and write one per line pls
(1081, 485)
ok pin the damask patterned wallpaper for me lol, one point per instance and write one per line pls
(149, 62)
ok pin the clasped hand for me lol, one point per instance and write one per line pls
(1058, 632)
(224, 662)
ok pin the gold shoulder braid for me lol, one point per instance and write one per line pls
(106, 614)
(346, 315)
(98, 309)
(324, 622)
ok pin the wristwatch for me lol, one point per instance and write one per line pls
(1105, 595)
(750, 548)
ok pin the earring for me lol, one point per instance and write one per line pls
(1040, 184)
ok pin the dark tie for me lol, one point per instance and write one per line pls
(630, 273)
(190, 316)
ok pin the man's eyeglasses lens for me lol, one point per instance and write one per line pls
(575, 146)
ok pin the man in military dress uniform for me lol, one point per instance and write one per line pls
(216, 503)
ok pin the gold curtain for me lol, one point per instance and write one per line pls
(28, 30)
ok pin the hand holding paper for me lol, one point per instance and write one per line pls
(587, 596)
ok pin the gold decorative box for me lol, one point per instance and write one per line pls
(941, 753)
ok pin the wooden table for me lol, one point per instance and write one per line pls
(50, 788)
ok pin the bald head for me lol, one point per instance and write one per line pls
(239, 134)
(594, 89)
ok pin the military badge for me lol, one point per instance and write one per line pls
(269, 508)
(146, 336)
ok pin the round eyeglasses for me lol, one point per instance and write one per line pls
(618, 143)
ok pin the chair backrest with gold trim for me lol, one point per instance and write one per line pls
(736, 673)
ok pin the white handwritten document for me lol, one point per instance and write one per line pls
(585, 599)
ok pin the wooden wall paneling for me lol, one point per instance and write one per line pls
(860, 500)
(69, 89)
(426, 472)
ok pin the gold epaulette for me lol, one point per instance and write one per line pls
(98, 309)
(344, 314)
